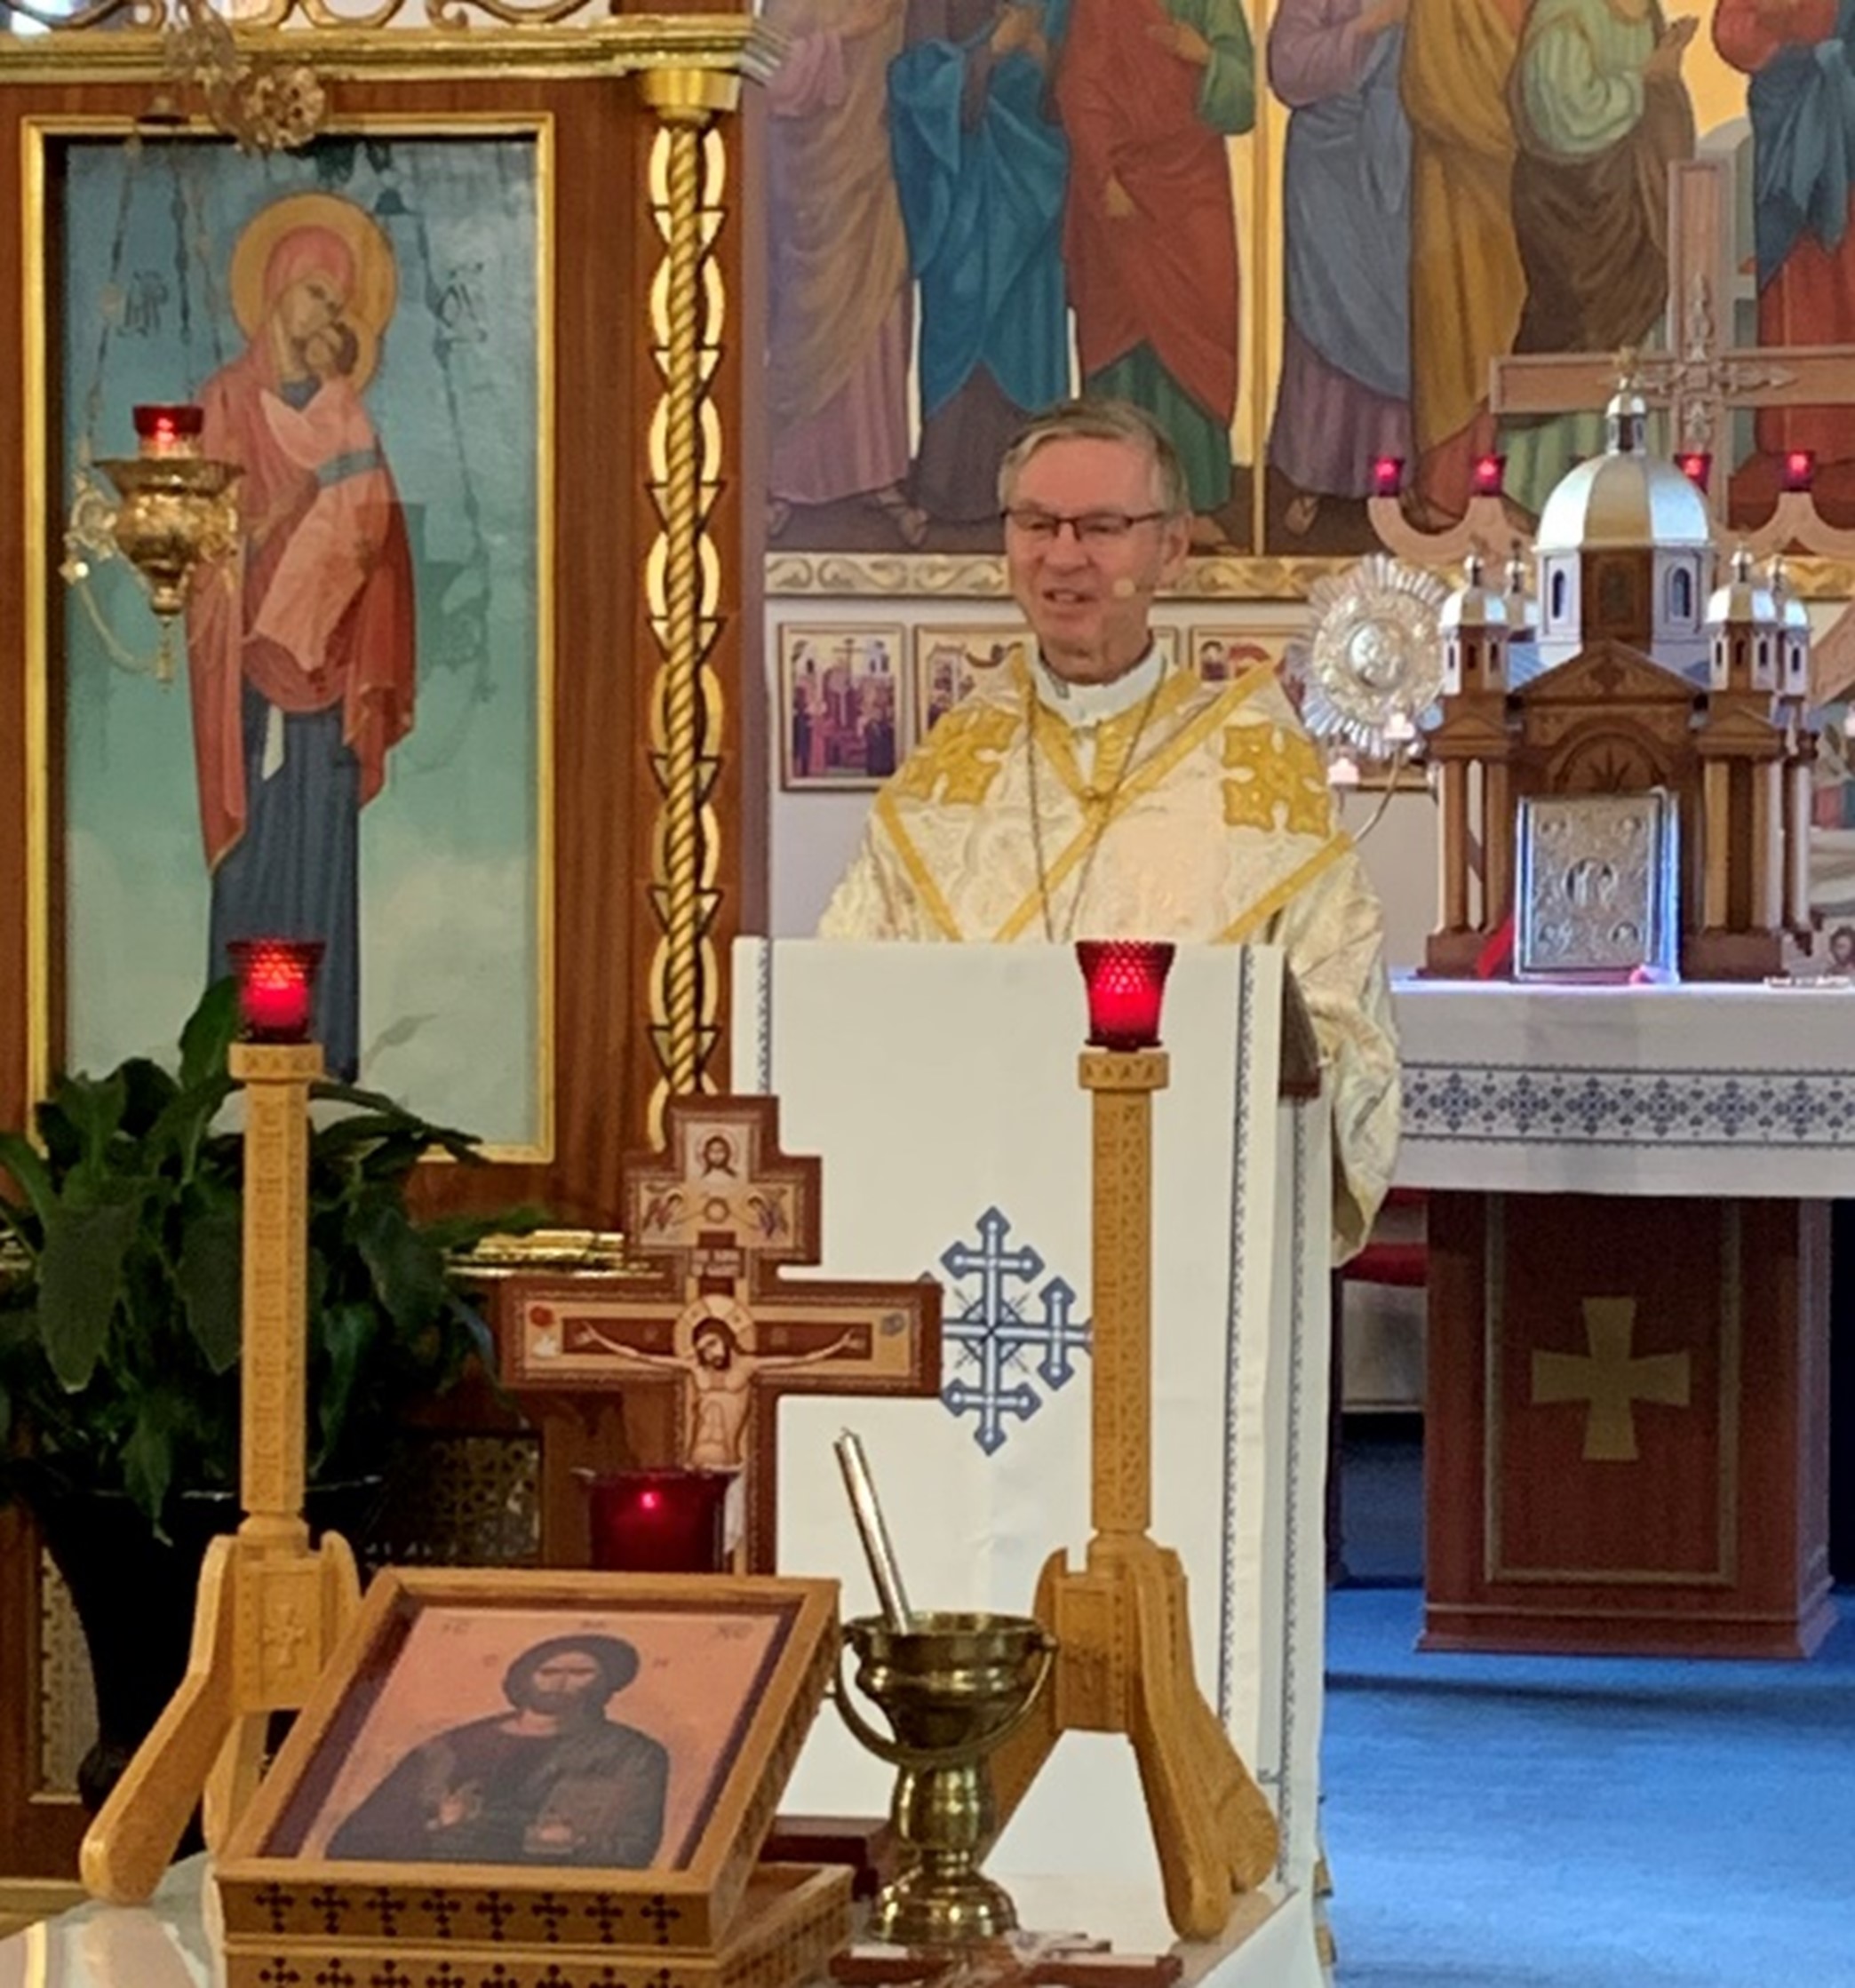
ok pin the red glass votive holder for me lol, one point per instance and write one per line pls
(1490, 476)
(659, 1522)
(1386, 475)
(276, 987)
(1126, 980)
(1799, 468)
(170, 429)
(1697, 466)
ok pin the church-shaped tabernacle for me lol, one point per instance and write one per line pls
(1646, 670)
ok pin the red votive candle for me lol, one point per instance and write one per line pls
(1126, 980)
(1386, 475)
(1490, 474)
(1697, 466)
(1799, 468)
(659, 1522)
(277, 986)
(169, 430)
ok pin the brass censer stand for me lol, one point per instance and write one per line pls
(953, 1687)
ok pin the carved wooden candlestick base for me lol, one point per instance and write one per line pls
(270, 1607)
(1122, 1628)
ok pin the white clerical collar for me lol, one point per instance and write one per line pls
(1094, 704)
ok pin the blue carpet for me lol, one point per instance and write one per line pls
(1585, 1822)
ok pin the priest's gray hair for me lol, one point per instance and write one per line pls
(1091, 420)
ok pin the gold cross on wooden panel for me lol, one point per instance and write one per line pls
(712, 1224)
(1610, 1380)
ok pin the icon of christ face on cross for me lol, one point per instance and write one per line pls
(710, 1225)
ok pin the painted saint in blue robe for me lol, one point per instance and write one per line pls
(982, 169)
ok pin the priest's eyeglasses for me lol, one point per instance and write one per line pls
(1091, 528)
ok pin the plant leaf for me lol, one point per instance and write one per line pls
(63, 1143)
(208, 1037)
(21, 1159)
(148, 1459)
(182, 1127)
(210, 1275)
(406, 1268)
(94, 1105)
(81, 1282)
(460, 1145)
(348, 1332)
(361, 1128)
(147, 1090)
(476, 1329)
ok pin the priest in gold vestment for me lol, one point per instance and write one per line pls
(1093, 791)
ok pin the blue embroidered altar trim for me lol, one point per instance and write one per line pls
(1289, 1709)
(990, 1338)
(1233, 1338)
(763, 1016)
(1742, 1109)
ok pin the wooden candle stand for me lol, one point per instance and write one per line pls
(270, 1606)
(1123, 1633)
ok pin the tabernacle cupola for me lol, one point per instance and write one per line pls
(1625, 546)
(1523, 611)
(1474, 637)
(1744, 625)
(1793, 637)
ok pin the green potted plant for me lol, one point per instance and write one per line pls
(119, 1335)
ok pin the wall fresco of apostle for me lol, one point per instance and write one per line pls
(1297, 231)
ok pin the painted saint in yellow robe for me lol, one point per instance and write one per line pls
(1467, 284)
(1155, 807)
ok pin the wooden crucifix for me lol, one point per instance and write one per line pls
(1703, 374)
(704, 1322)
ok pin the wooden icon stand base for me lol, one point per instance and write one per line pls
(271, 1607)
(1122, 1626)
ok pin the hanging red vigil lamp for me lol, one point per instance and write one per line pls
(169, 429)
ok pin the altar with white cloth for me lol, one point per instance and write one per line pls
(939, 1085)
(1627, 1427)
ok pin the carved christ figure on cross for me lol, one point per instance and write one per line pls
(718, 1368)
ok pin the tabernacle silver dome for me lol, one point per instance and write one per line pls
(1624, 498)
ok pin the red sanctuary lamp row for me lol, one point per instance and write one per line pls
(1798, 474)
(1490, 472)
(1488, 477)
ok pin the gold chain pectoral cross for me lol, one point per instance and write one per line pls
(1610, 1380)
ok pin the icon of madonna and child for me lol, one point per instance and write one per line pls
(301, 646)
